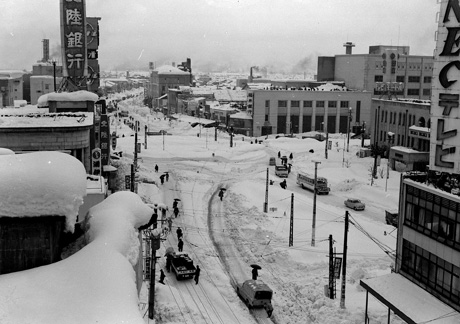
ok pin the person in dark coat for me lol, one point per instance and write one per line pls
(291, 156)
(179, 233)
(283, 184)
(162, 178)
(175, 204)
(197, 274)
(176, 211)
(180, 245)
(255, 273)
(279, 154)
(167, 176)
(168, 262)
(156, 168)
(162, 277)
(221, 195)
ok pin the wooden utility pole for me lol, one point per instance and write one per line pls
(266, 194)
(331, 268)
(344, 269)
(313, 224)
(152, 281)
(291, 228)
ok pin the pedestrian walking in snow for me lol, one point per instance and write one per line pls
(170, 224)
(179, 233)
(176, 212)
(283, 184)
(168, 262)
(156, 168)
(291, 156)
(221, 195)
(162, 178)
(167, 176)
(255, 273)
(197, 274)
(162, 277)
(175, 203)
(180, 245)
(279, 154)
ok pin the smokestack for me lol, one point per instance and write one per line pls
(348, 47)
(46, 50)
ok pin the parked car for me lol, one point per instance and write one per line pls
(355, 204)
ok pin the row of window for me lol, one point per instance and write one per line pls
(402, 78)
(434, 216)
(401, 119)
(410, 92)
(309, 104)
(399, 140)
(413, 66)
(429, 269)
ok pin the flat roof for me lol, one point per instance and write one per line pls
(409, 301)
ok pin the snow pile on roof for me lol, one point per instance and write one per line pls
(94, 285)
(6, 151)
(169, 69)
(44, 119)
(240, 115)
(331, 87)
(81, 95)
(110, 219)
(42, 184)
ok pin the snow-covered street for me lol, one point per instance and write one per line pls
(224, 238)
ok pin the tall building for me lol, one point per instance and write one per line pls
(382, 65)
(299, 111)
(163, 78)
(425, 285)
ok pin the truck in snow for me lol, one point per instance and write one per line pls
(256, 294)
(182, 266)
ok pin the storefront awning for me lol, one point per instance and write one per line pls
(409, 301)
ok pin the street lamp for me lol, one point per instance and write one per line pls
(391, 137)
(348, 128)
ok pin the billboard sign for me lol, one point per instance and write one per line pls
(73, 41)
(105, 139)
(445, 112)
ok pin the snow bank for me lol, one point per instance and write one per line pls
(42, 184)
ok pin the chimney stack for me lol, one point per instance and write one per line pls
(348, 47)
(46, 50)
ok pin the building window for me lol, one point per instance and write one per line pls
(383, 114)
(438, 274)
(308, 103)
(295, 103)
(399, 119)
(378, 78)
(282, 103)
(267, 103)
(344, 104)
(413, 92)
(320, 104)
(386, 116)
(414, 79)
(427, 79)
(400, 78)
(391, 117)
(332, 104)
(426, 92)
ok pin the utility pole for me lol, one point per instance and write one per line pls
(313, 226)
(363, 130)
(215, 134)
(291, 228)
(376, 132)
(348, 129)
(266, 194)
(231, 136)
(327, 144)
(344, 269)
(331, 268)
(145, 136)
(152, 281)
(134, 165)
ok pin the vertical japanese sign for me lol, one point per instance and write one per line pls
(445, 112)
(73, 41)
(105, 139)
(92, 45)
(96, 166)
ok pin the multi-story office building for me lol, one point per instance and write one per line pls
(299, 111)
(11, 87)
(425, 285)
(383, 64)
(163, 78)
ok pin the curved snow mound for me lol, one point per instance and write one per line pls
(42, 184)
(114, 223)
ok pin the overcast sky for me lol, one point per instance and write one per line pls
(221, 34)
